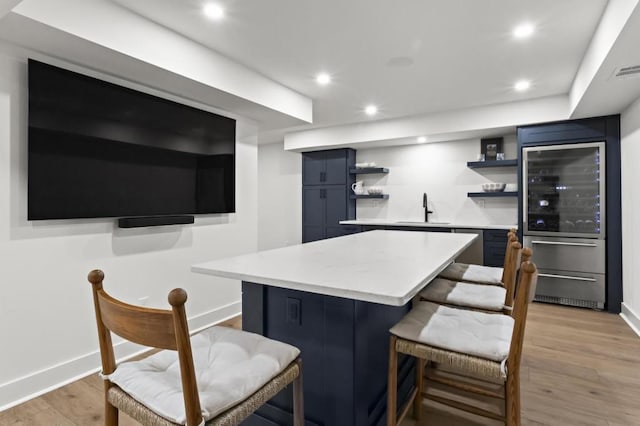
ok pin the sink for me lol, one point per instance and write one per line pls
(415, 222)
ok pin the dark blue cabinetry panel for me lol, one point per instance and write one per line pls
(345, 349)
(595, 129)
(325, 193)
(327, 167)
(337, 166)
(494, 247)
(312, 197)
(566, 131)
(336, 204)
(313, 168)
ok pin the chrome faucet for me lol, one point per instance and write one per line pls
(426, 209)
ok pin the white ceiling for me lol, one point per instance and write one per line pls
(461, 52)
(444, 69)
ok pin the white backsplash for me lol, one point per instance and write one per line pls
(440, 170)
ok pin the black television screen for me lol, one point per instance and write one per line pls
(97, 149)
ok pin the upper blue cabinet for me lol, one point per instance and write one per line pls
(327, 167)
(326, 189)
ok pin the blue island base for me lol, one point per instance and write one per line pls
(345, 350)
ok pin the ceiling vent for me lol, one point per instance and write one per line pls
(626, 72)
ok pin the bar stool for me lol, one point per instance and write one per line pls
(464, 343)
(490, 298)
(491, 275)
(217, 377)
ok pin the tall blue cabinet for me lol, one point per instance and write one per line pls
(326, 186)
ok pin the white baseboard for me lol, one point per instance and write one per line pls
(631, 318)
(40, 382)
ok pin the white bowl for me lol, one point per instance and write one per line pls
(493, 187)
(374, 190)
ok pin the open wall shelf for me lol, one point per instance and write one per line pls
(367, 170)
(492, 194)
(378, 196)
(492, 163)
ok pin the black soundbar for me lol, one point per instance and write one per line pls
(137, 222)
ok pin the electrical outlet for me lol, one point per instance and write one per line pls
(481, 204)
(142, 301)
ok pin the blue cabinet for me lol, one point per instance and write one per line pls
(323, 207)
(344, 344)
(326, 186)
(494, 246)
(327, 167)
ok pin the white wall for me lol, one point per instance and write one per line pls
(630, 146)
(279, 197)
(47, 324)
(7, 5)
(440, 170)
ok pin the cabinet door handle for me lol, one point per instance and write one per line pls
(323, 193)
(560, 243)
(323, 176)
(567, 277)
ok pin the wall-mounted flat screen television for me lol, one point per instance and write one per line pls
(97, 149)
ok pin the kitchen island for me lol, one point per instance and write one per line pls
(336, 299)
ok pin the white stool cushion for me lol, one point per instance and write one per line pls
(230, 366)
(474, 333)
(473, 273)
(472, 295)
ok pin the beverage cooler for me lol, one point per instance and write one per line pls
(564, 221)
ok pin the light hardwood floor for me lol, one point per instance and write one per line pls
(579, 367)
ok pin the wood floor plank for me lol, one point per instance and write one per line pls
(94, 380)
(83, 405)
(49, 416)
(583, 398)
(579, 367)
(550, 360)
(548, 410)
(27, 409)
(34, 412)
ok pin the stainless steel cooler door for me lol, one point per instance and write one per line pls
(564, 190)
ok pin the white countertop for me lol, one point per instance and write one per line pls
(408, 223)
(388, 267)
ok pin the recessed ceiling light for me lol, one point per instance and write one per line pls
(371, 110)
(523, 30)
(522, 85)
(323, 79)
(422, 139)
(213, 11)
